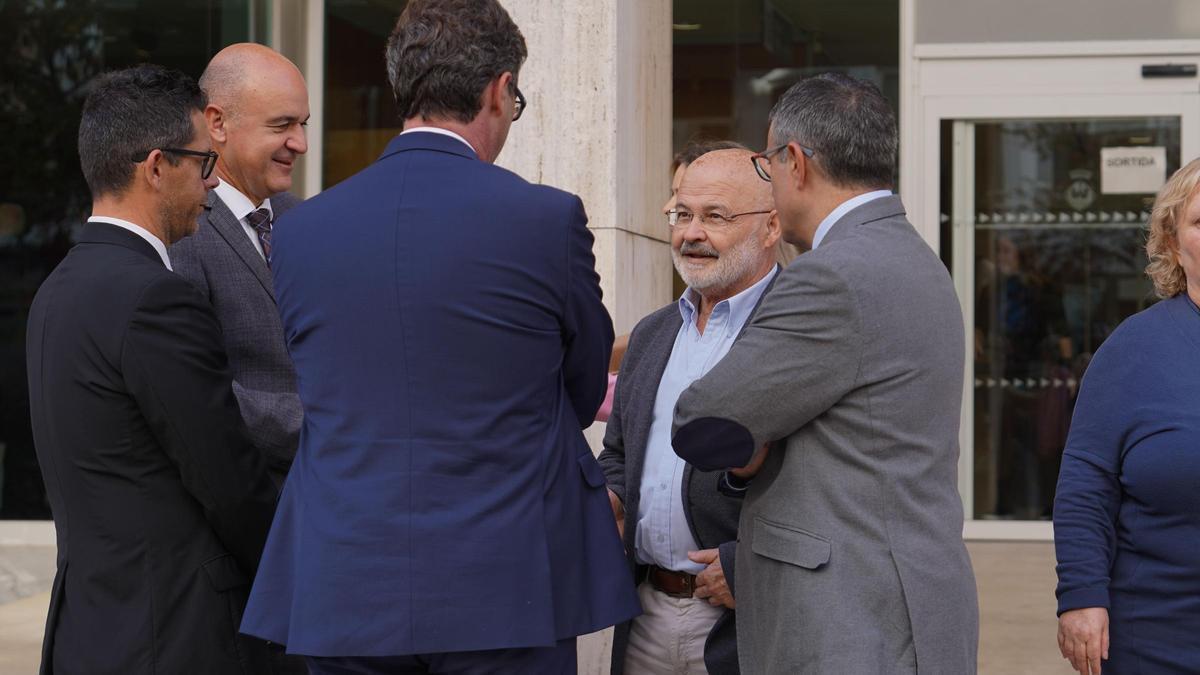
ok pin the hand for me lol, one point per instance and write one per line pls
(711, 583)
(750, 470)
(618, 510)
(1083, 638)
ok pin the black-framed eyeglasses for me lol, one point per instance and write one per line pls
(762, 160)
(520, 102)
(206, 165)
(679, 218)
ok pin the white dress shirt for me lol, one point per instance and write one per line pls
(139, 231)
(241, 205)
(844, 208)
(444, 132)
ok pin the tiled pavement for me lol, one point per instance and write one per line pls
(1016, 596)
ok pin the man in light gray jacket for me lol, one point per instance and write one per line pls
(849, 378)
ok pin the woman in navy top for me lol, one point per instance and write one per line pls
(1127, 511)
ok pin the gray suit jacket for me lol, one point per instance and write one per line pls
(851, 557)
(220, 260)
(712, 516)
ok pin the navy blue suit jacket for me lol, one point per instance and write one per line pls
(445, 321)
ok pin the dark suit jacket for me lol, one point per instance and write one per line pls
(445, 321)
(223, 264)
(711, 514)
(160, 502)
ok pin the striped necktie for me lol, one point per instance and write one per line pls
(260, 220)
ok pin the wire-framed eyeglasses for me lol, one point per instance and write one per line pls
(207, 164)
(681, 218)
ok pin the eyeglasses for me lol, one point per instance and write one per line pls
(762, 160)
(206, 165)
(679, 218)
(520, 103)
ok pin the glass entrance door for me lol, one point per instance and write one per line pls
(1043, 228)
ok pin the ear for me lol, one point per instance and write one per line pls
(493, 94)
(773, 232)
(798, 172)
(151, 170)
(215, 119)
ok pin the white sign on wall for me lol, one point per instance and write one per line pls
(1136, 170)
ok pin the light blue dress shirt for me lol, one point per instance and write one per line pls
(844, 208)
(663, 536)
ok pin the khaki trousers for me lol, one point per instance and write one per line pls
(668, 638)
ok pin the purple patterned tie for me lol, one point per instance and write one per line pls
(260, 220)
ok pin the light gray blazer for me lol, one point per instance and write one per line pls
(220, 260)
(850, 555)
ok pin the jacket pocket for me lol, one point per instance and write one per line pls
(592, 473)
(224, 574)
(789, 545)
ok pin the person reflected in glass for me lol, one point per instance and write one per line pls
(1127, 511)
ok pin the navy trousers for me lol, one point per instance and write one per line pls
(556, 660)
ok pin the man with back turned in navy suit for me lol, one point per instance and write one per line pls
(444, 513)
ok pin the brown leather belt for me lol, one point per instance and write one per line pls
(670, 582)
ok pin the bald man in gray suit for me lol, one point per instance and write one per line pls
(257, 109)
(849, 380)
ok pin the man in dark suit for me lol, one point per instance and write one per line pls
(444, 512)
(256, 112)
(160, 502)
(680, 531)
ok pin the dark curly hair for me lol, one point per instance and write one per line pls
(443, 53)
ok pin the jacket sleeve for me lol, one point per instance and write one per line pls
(587, 328)
(1088, 496)
(799, 355)
(175, 368)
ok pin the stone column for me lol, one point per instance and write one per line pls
(598, 82)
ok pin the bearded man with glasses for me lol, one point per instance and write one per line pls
(680, 532)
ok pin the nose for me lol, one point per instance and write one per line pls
(693, 232)
(298, 142)
(211, 181)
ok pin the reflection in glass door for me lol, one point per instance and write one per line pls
(1043, 228)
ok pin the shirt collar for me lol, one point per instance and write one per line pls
(239, 203)
(139, 231)
(738, 307)
(444, 132)
(844, 208)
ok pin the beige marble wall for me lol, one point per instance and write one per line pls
(598, 81)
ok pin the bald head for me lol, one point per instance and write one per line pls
(240, 69)
(730, 173)
(256, 116)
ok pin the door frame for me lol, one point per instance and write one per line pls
(979, 89)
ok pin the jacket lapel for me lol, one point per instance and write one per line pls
(645, 390)
(228, 227)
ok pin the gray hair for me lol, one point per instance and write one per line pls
(847, 122)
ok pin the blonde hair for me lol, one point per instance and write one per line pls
(1162, 244)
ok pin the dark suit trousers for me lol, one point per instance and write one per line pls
(556, 660)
